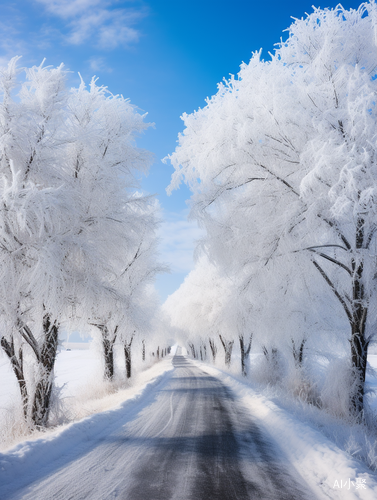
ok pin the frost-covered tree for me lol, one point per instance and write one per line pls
(197, 308)
(282, 162)
(35, 238)
(69, 217)
(143, 303)
(120, 221)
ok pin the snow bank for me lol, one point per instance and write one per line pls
(329, 471)
(372, 381)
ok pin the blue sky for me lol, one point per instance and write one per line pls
(167, 56)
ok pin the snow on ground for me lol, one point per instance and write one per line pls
(372, 382)
(40, 455)
(329, 471)
(79, 377)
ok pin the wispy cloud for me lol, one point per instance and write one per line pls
(11, 43)
(98, 65)
(71, 8)
(178, 241)
(96, 21)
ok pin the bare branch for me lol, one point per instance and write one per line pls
(333, 226)
(334, 261)
(335, 291)
(326, 246)
(246, 182)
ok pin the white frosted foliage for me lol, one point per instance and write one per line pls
(77, 241)
(283, 169)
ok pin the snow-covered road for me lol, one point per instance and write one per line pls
(189, 438)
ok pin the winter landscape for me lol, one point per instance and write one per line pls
(227, 350)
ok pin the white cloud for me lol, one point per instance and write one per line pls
(178, 241)
(98, 64)
(10, 43)
(97, 21)
(70, 8)
(117, 33)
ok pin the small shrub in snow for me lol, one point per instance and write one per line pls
(13, 426)
(298, 383)
(339, 386)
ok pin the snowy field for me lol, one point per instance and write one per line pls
(79, 377)
(329, 471)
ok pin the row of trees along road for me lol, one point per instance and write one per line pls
(282, 163)
(77, 241)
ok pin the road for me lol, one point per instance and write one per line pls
(191, 440)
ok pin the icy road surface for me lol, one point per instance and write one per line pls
(189, 440)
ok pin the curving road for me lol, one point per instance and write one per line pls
(191, 440)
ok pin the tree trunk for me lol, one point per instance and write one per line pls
(143, 350)
(203, 352)
(228, 347)
(41, 400)
(108, 349)
(245, 352)
(272, 357)
(298, 353)
(42, 396)
(359, 343)
(17, 365)
(127, 356)
(356, 309)
(108, 355)
(192, 348)
(213, 347)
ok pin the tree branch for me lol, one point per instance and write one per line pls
(326, 246)
(333, 226)
(246, 182)
(29, 338)
(334, 261)
(336, 293)
(277, 177)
